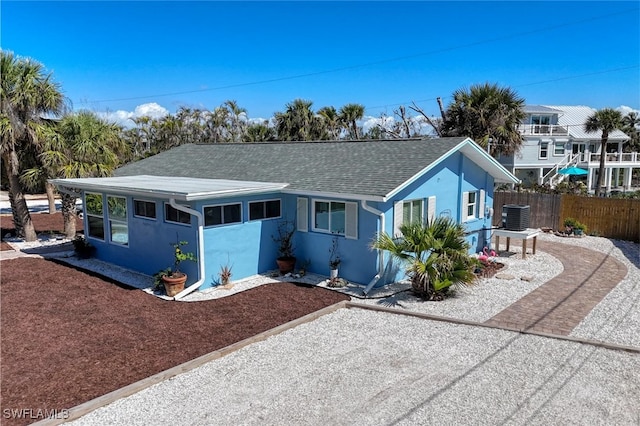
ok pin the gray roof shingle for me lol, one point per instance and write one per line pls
(366, 168)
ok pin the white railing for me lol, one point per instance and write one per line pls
(542, 129)
(617, 157)
(553, 177)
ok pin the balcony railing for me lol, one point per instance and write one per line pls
(542, 129)
(617, 157)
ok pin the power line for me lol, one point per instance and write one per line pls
(520, 85)
(369, 64)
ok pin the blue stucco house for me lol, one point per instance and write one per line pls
(227, 201)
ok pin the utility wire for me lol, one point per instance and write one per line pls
(369, 64)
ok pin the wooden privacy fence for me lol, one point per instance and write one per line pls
(617, 218)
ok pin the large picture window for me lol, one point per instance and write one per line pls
(176, 216)
(335, 217)
(264, 209)
(223, 214)
(93, 208)
(118, 226)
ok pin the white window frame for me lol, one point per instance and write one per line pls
(264, 209)
(466, 203)
(101, 216)
(350, 218)
(545, 150)
(420, 218)
(155, 209)
(118, 221)
(555, 149)
(180, 212)
(222, 206)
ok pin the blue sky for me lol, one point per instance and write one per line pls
(119, 56)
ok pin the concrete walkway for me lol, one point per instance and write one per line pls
(560, 304)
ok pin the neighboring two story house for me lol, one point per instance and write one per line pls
(554, 138)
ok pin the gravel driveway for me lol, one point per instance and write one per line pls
(362, 367)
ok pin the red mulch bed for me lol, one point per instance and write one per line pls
(5, 246)
(69, 337)
(42, 222)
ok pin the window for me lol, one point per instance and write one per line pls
(264, 209)
(118, 227)
(336, 217)
(469, 205)
(558, 148)
(176, 216)
(412, 212)
(95, 214)
(143, 208)
(544, 150)
(222, 214)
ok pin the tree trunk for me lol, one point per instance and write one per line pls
(19, 209)
(51, 197)
(603, 154)
(69, 215)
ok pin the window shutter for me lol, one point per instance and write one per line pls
(302, 214)
(465, 206)
(351, 221)
(481, 204)
(397, 218)
(431, 209)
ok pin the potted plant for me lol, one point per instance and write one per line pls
(286, 260)
(172, 279)
(573, 226)
(334, 259)
(83, 248)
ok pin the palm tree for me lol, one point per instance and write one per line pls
(83, 145)
(605, 120)
(350, 114)
(436, 255)
(259, 132)
(299, 123)
(630, 124)
(237, 120)
(489, 115)
(28, 95)
(331, 121)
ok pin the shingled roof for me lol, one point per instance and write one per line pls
(367, 168)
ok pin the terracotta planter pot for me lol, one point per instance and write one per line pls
(286, 264)
(174, 284)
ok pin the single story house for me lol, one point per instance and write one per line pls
(227, 201)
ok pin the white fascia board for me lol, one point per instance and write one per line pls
(164, 194)
(334, 195)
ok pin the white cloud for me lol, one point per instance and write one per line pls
(626, 110)
(124, 118)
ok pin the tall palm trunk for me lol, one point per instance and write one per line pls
(603, 155)
(69, 215)
(20, 210)
(51, 197)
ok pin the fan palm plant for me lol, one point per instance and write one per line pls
(606, 120)
(435, 254)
